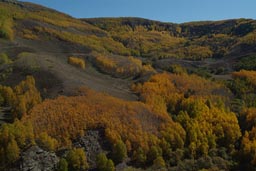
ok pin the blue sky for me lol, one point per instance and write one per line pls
(177, 11)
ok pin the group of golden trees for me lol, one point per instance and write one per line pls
(13, 138)
(244, 88)
(179, 112)
(131, 127)
(189, 100)
(122, 66)
(18, 135)
(21, 98)
(248, 144)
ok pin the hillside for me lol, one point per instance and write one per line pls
(125, 93)
(56, 36)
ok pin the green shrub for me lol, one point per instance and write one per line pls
(77, 160)
(4, 59)
(6, 30)
(103, 163)
(247, 63)
(63, 165)
(119, 151)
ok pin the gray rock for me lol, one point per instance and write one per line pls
(36, 159)
(91, 143)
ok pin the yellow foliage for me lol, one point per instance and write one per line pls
(14, 137)
(149, 43)
(6, 30)
(198, 52)
(28, 34)
(133, 121)
(47, 142)
(77, 160)
(22, 97)
(249, 38)
(105, 62)
(98, 44)
(248, 146)
(120, 66)
(78, 62)
(250, 76)
(190, 98)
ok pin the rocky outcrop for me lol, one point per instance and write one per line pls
(92, 144)
(36, 159)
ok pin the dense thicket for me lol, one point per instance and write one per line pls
(132, 122)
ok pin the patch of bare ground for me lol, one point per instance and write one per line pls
(51, 59)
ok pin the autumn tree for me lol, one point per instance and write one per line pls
(103, 163)
(14, 137)
(4, 59)
(110, 165)
(76, 159)
(7, 94)
(154, 153)
(23, 133)
(159, 163)
(63, 165)
(12, 151)
(119, 151)
(47, 142)
(22, 97)
(139, 156)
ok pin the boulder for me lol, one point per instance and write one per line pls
(36, 159)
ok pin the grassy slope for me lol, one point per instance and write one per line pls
(54, 37)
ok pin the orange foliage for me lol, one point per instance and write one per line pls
(121, 66)
(133, 122)
(248, 144)
(250, 76)
(169, 89)
(198, 106)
